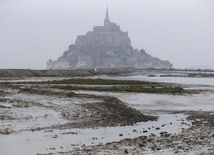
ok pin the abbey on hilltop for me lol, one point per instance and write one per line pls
(105, 47)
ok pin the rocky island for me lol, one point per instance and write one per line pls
(105, 47)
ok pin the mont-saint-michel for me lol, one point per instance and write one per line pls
(102, 95)
(105, 47)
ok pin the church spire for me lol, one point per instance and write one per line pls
(107, 11)
(106, 21)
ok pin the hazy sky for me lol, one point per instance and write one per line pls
(33, 31)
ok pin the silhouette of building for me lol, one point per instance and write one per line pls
(106, 46)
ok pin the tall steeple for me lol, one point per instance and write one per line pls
(106, 21)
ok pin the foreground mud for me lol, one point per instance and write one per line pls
(196, 140)
(31, 111)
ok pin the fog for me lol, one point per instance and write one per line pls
(33, 31)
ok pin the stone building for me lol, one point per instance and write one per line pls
(60, 64)
(109, 34)
(106, 46)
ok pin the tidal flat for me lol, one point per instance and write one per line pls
(106, 115)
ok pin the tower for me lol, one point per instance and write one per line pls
(106, 21)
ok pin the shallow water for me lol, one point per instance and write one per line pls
(41, 142)
(142, 101)
(178, 80)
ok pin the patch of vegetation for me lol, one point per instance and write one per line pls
(132, 88)
(3, 100)
(45, 92)
(99, 81)
(102, 82)
(6, 117)
(116, 86)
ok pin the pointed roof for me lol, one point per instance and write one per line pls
(107, 18)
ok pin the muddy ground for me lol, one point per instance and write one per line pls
(103, 111)
(196, 140)
(27, 109)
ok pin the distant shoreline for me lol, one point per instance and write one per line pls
(22, 73)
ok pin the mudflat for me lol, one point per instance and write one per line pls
(90, 115)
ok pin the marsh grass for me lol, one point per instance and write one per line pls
(130, 88)
(125, 86)
(84, 81)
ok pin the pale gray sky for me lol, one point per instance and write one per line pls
(33, 31)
